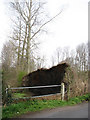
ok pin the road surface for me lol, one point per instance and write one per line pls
(76, 111)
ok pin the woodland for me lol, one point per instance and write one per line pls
(19, 54)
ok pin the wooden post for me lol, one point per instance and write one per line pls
(62, 91)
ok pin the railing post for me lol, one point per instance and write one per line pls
(6, 91)
(62, 91)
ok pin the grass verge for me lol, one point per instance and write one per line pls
(15, 110)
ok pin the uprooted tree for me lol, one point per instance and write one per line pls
(41, 77)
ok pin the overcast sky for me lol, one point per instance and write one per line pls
(68, 29)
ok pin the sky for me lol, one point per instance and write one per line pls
(70, 28)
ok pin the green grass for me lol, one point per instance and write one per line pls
(14, 110)
(19, 95)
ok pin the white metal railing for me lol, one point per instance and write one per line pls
(62, 90)
(35, 87)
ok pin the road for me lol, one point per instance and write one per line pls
(76, 111)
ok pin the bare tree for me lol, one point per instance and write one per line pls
(41, 62)
(59, 54)
(65, 53)
(82, 56)
(8, 56)
(30, 24)
(52, 59)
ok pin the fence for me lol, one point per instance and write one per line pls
(62, 90)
